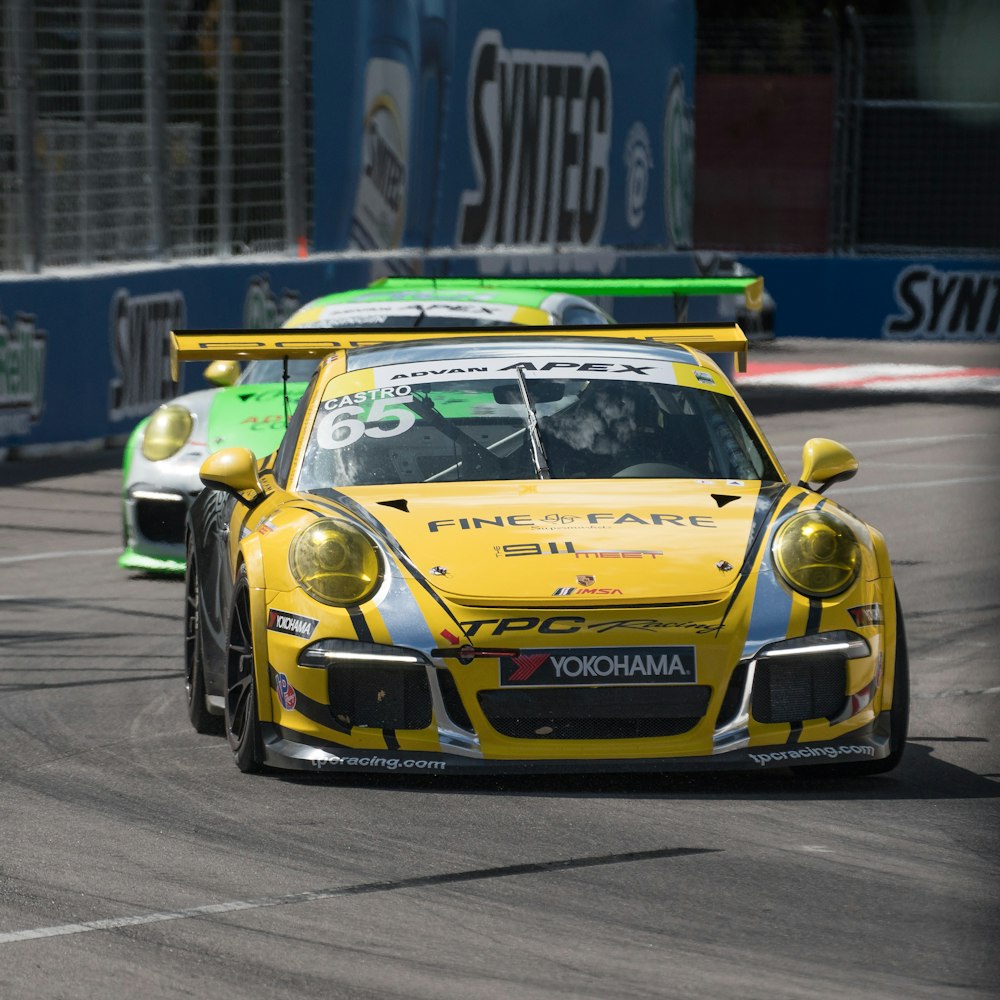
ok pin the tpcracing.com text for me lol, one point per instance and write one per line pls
(802, 753)
(389, 763)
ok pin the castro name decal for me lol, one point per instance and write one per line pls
(284, 621)
(540, 126)
(647, 665)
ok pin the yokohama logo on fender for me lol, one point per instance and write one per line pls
(284, 621)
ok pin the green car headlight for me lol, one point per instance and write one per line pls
(168, 428)
(335, 563)
(816, 554)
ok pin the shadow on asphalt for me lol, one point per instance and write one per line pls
(766, 402)
(18, 471)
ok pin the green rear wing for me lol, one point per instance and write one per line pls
(212, 345)
(752, 288)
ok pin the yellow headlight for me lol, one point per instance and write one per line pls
(816, 553)
(335, 563)
(168, 428)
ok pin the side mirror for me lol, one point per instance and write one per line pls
(826, 462)
(223, 372)
(234, 471)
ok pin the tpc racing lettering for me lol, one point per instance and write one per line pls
(568, 624)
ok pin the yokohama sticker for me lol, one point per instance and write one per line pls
(600, 665)
(283, 621)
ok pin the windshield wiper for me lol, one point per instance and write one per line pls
(478, 459)
(538, 456)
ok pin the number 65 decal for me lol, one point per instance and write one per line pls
(342, 427)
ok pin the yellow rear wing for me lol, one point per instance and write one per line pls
(212, 345)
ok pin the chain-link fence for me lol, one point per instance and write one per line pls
(143, 129)
(136, 130)
(918, 137)
(850, 134)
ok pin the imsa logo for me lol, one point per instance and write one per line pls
(607, 665)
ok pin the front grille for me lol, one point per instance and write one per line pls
(161, 520)
(796, 688)
(607, 713)
(396, 697)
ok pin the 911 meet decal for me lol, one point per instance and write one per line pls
(597, 665)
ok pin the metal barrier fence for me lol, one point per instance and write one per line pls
(918, 132)
(850, 134)
(152, 129)
(135, 130)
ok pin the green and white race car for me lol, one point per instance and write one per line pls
(251, 408)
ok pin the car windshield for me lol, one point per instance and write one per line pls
(480, 428)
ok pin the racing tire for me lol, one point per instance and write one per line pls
(242, 723)
(194, 663)
(899, 720)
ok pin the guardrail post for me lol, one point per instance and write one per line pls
(293, 103)
(88, 101)
(24, 63)
(156, 123)
(224, 118)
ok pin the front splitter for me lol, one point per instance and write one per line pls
(285, 749)
(130, 559)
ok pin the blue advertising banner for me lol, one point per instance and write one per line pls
(476, 124)
(467, 137)
(84, 358)
(883, 297)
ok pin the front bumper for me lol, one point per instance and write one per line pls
(153, 519)
(289, 750)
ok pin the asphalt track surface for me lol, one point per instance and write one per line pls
(135, 860)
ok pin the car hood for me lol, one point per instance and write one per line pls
(251, 416)
(548, 542)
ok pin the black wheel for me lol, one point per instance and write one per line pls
(194, 664)
(899, 723)
(242, 724)
(899, 720)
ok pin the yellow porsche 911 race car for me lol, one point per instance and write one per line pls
(533, 549)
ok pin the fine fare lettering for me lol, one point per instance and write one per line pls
(598, 518)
